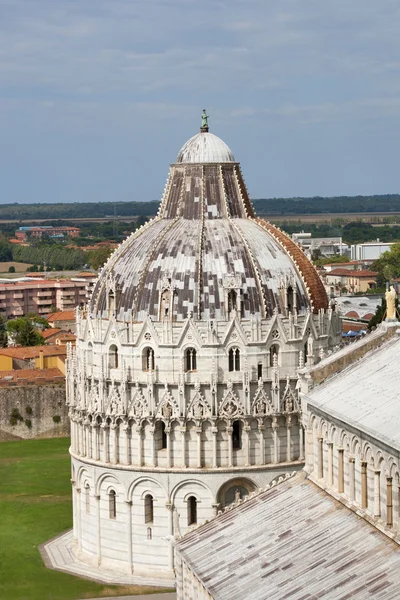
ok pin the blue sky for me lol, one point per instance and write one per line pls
(97, 97)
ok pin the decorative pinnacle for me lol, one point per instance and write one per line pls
(204, 122)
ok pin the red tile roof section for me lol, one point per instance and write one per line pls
(26, 353)
(350, 273)
(306, 269)
(37, 376)
(64, 315)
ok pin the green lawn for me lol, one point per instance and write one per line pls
(35, 505)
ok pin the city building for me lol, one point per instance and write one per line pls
(369, 250)
(347, 281)
(25, 234)
(40, 295)
(182, 387)
(65, 319)
(332, 531)
(33, 357)
(323, 247)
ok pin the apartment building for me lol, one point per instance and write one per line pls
(41, 296)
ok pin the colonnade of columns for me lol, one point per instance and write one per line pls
(352, 477)
(133, 445)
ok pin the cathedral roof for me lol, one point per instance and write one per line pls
(204, 241)
(292, 541)
(365, 394)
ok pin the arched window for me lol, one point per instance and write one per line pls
(236, 435)
(232, 301)
(305, 352)
(148, 508)
(90, 354)
(289, 299)
(190, 360)
(259, 371)
(111, 302)
(273, 351)
(234, 359)
(87, 498)
(148, 359)
(149, 533)
(113, 357)
(112, 504)
(192, 510)
(163, 436)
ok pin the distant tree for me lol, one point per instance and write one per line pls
(387, 266)
(23, 332)
(3, 333)
(98, 257)
(333, 259)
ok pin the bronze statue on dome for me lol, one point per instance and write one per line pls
(204, 121)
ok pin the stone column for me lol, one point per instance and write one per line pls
(153, 457)
(198, 432)
(275, 427)
(97, 441)
(115, 430)
(78, 517)
(340, 486)
(168, 436)
(214, 432)
(182, 429)
(230, 446)
(364, 485)
(129, 533)
(288, 438)
(320, 458)
(170, 510)
(389, 501)
(352, 479)
(74, 516)
(301, 442)
(90, 441)
(139, 446)
(377, 493)
(246, 431)
(127, 430)
(261, 445)
(98, 530)
(330, 463)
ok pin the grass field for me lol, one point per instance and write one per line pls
(19, 266)
(35, 505)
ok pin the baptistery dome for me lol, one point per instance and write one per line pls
(205, 241)
(183, 386)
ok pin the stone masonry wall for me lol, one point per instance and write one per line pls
(36, 409)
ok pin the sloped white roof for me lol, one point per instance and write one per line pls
(205, 148)
(366, 394)
(296, 542)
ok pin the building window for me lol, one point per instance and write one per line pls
(236, 435)
(190, 360)
(87, 499)
(113, 357)
(112, 504)
(273, 352)
(192, 510)
(234, 359)
(163, 436)
(149, 533)
(259, 371)
(289, 298)
(148, 359)
(232, 301)
(148, 509)
(111, 302)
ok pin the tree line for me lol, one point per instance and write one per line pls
(263, 206)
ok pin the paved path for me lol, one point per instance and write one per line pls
(148, 597)
(59, 554)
